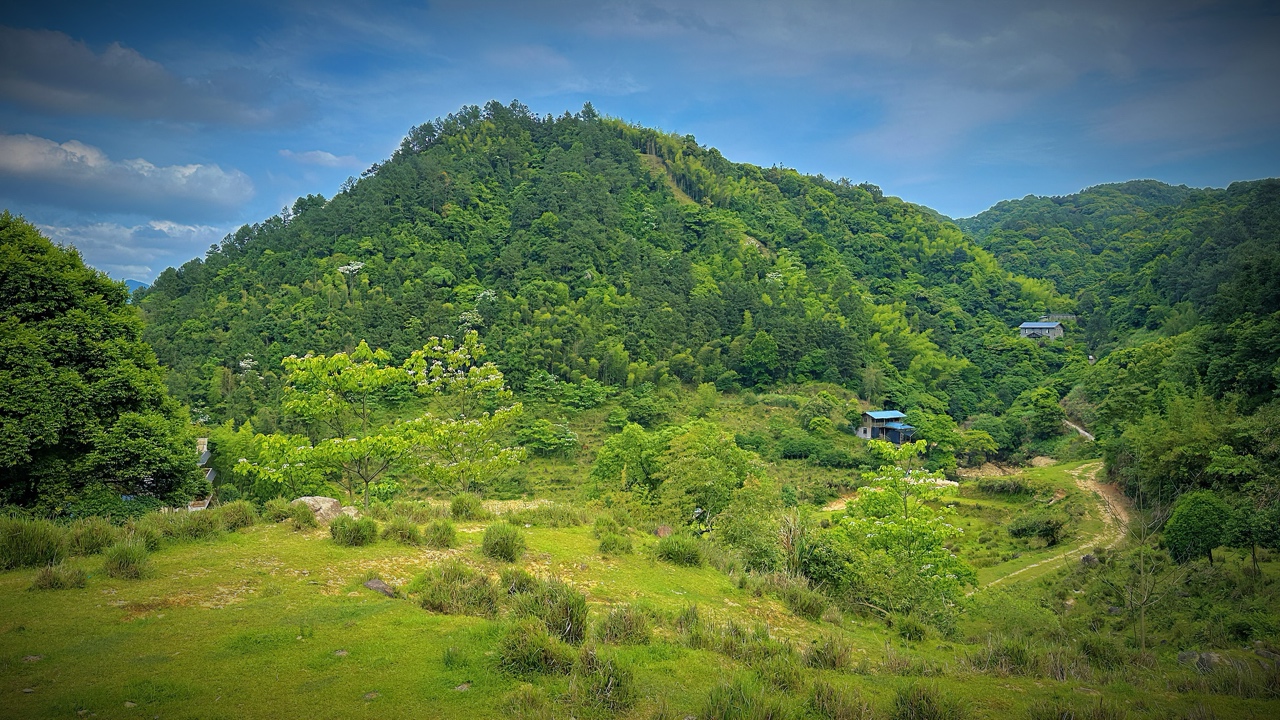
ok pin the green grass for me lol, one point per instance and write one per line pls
(267, 620)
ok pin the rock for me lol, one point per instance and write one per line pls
(378, 585)
(325, 508)
(340, 653)
(33, 658)
(1188, 657)
(28, 690)
(1113, 610)
(351, 511)
(1208, 661)
(1089, 560)
(370, 696)
(463, 687)
(130, 703)
(1264, 653)
(662, 531)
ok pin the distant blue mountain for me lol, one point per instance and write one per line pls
(134, 284)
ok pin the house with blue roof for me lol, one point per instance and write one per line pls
(885, 425)
(1051, 330)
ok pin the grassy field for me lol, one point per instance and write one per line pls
(271, 622)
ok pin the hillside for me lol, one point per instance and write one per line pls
(588, 248)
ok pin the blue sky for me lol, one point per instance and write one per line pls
(144, 132)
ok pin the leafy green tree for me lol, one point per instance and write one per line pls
(1197, 526)
(705, 400)
(1255, 519)
(83, 404)
(760, 359)
(699, 472)
(900, 538)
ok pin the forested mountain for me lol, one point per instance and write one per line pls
(588, 248)
(1178, 291)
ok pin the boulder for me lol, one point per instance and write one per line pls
(1089, 560)
(324, 508)
(1188, 657)
(377, 585)
(350, 511)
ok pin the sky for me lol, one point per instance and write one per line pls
(142, 133)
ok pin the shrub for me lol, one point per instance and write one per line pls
(402, 530)
(1004, 486)
(30, 543)
(1102, 651)
(127, 560)
(918, 702)
(59, 577)
(613, 544)
(276, 510)
(680, 549)
(238, 514)
(353, 532)
(910, 627)
(503, 541)
(419, 511)
(605, 525)
(1048, 526)
(835, 703)
(625, 625)
(516, 581)
(601, 681)
(832, 652)
(467, 506)
(561, 609)
(455, 589)
(439, 534)
(302, 517)
(196, 525)
(91, 535)
(526, 648)
(740, 700)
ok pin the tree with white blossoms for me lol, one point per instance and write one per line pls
(901, 539)
(338, 397)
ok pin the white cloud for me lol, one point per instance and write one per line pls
(137, 252)
(51, 72)
(75, 174)
(321, 158)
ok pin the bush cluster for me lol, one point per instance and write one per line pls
(91, 535)
(28, 543)
(614, 544)
(238, 514)
(561, 609)
(126, 560)
(468, 506)
(439, 534)
(625, 625)
(402, 530)
(59, 577)
(455, 589)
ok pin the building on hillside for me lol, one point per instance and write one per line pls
(1041, 330)
(885, 425)
(202, 447)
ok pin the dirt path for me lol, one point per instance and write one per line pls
(1115, 515)
(1084, 433)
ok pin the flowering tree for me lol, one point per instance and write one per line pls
(900, 539)
(339, 396)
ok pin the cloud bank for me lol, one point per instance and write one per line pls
(59, 174)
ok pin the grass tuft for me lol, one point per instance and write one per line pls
(835, 703)
(527, 648)
(613, 544)
(301, 516)
(91, 535)
(625, 625)
(238, 514)
(741, 700)
(680, 549)
(59, 577)
(439, 534)
(30, 543)
(561, 609)
(402, 530)
(352, 532)
(600, 681)
(127, 560)
(517, 580)
(921, 702)
(455, 589)
(468, 506)
(832, 652)
(276, 510)
(503, 541)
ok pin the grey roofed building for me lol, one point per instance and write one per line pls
(1041, 330)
